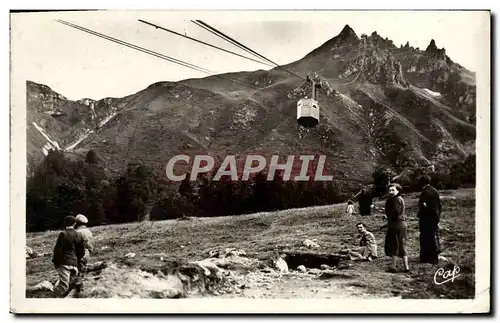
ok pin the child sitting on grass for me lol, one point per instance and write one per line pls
(350, 208)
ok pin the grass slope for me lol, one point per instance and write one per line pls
(262, 234)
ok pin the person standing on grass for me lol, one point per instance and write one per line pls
(68, 251)
(365, 202)
(80, 226)
(395, 239)
(429, 214)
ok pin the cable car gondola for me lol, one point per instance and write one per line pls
(308, 110)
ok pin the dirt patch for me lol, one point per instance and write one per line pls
(123, 282)
(155, 277)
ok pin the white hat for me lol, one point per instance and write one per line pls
(81, 218)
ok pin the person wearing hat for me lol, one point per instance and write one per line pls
(429, 214)
(80, 226)
(68, 251)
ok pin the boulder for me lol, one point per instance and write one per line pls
(43, 286)
(213, 253)
(44, 289)
(234, 252)
(442, 258)
(301, 269)
(310, 244)
(328, 274)
(30, 253)
(314, 271)
(280, 264)
(96, 266)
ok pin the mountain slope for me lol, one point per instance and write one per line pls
(379, 104)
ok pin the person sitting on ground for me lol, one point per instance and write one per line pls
(68, 251)
(350, 208)
(368, 245)
(80, 226)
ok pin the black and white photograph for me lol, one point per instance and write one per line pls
(272, 161)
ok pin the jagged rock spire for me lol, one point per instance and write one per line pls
(433, 51)
(347, 33)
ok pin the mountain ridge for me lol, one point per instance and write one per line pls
(380, 104)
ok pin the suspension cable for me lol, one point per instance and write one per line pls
(202, 42)
(153, 53)
(240, 45)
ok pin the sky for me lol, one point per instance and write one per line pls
(78, 65)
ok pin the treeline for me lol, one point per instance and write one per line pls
(459, 174)
(61, 186)
(206, 198)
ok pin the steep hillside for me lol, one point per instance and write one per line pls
(54, 122)
(380, 104)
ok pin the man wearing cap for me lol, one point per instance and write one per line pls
(81, 221)
(68, 251)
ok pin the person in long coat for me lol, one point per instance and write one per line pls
(365, 202)
(395, 238)
(429, 214)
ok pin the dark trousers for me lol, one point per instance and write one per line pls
(429, 244)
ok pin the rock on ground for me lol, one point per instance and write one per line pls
(314, 271)
(30, 253)
(310, 244)
(280, 264)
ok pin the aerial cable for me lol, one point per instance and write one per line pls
(240, 45)
(146, 51)
(141, 49)
(153, 53)
(202, 42)
(236, 43)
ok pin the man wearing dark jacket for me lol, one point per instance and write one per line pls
(365, 202)
(429, 215)
(68, 251)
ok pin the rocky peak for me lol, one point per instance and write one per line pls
(86, 101)
(433, 51)
(381, 67)
(347, 33)
(346, 37)
(378, 41)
